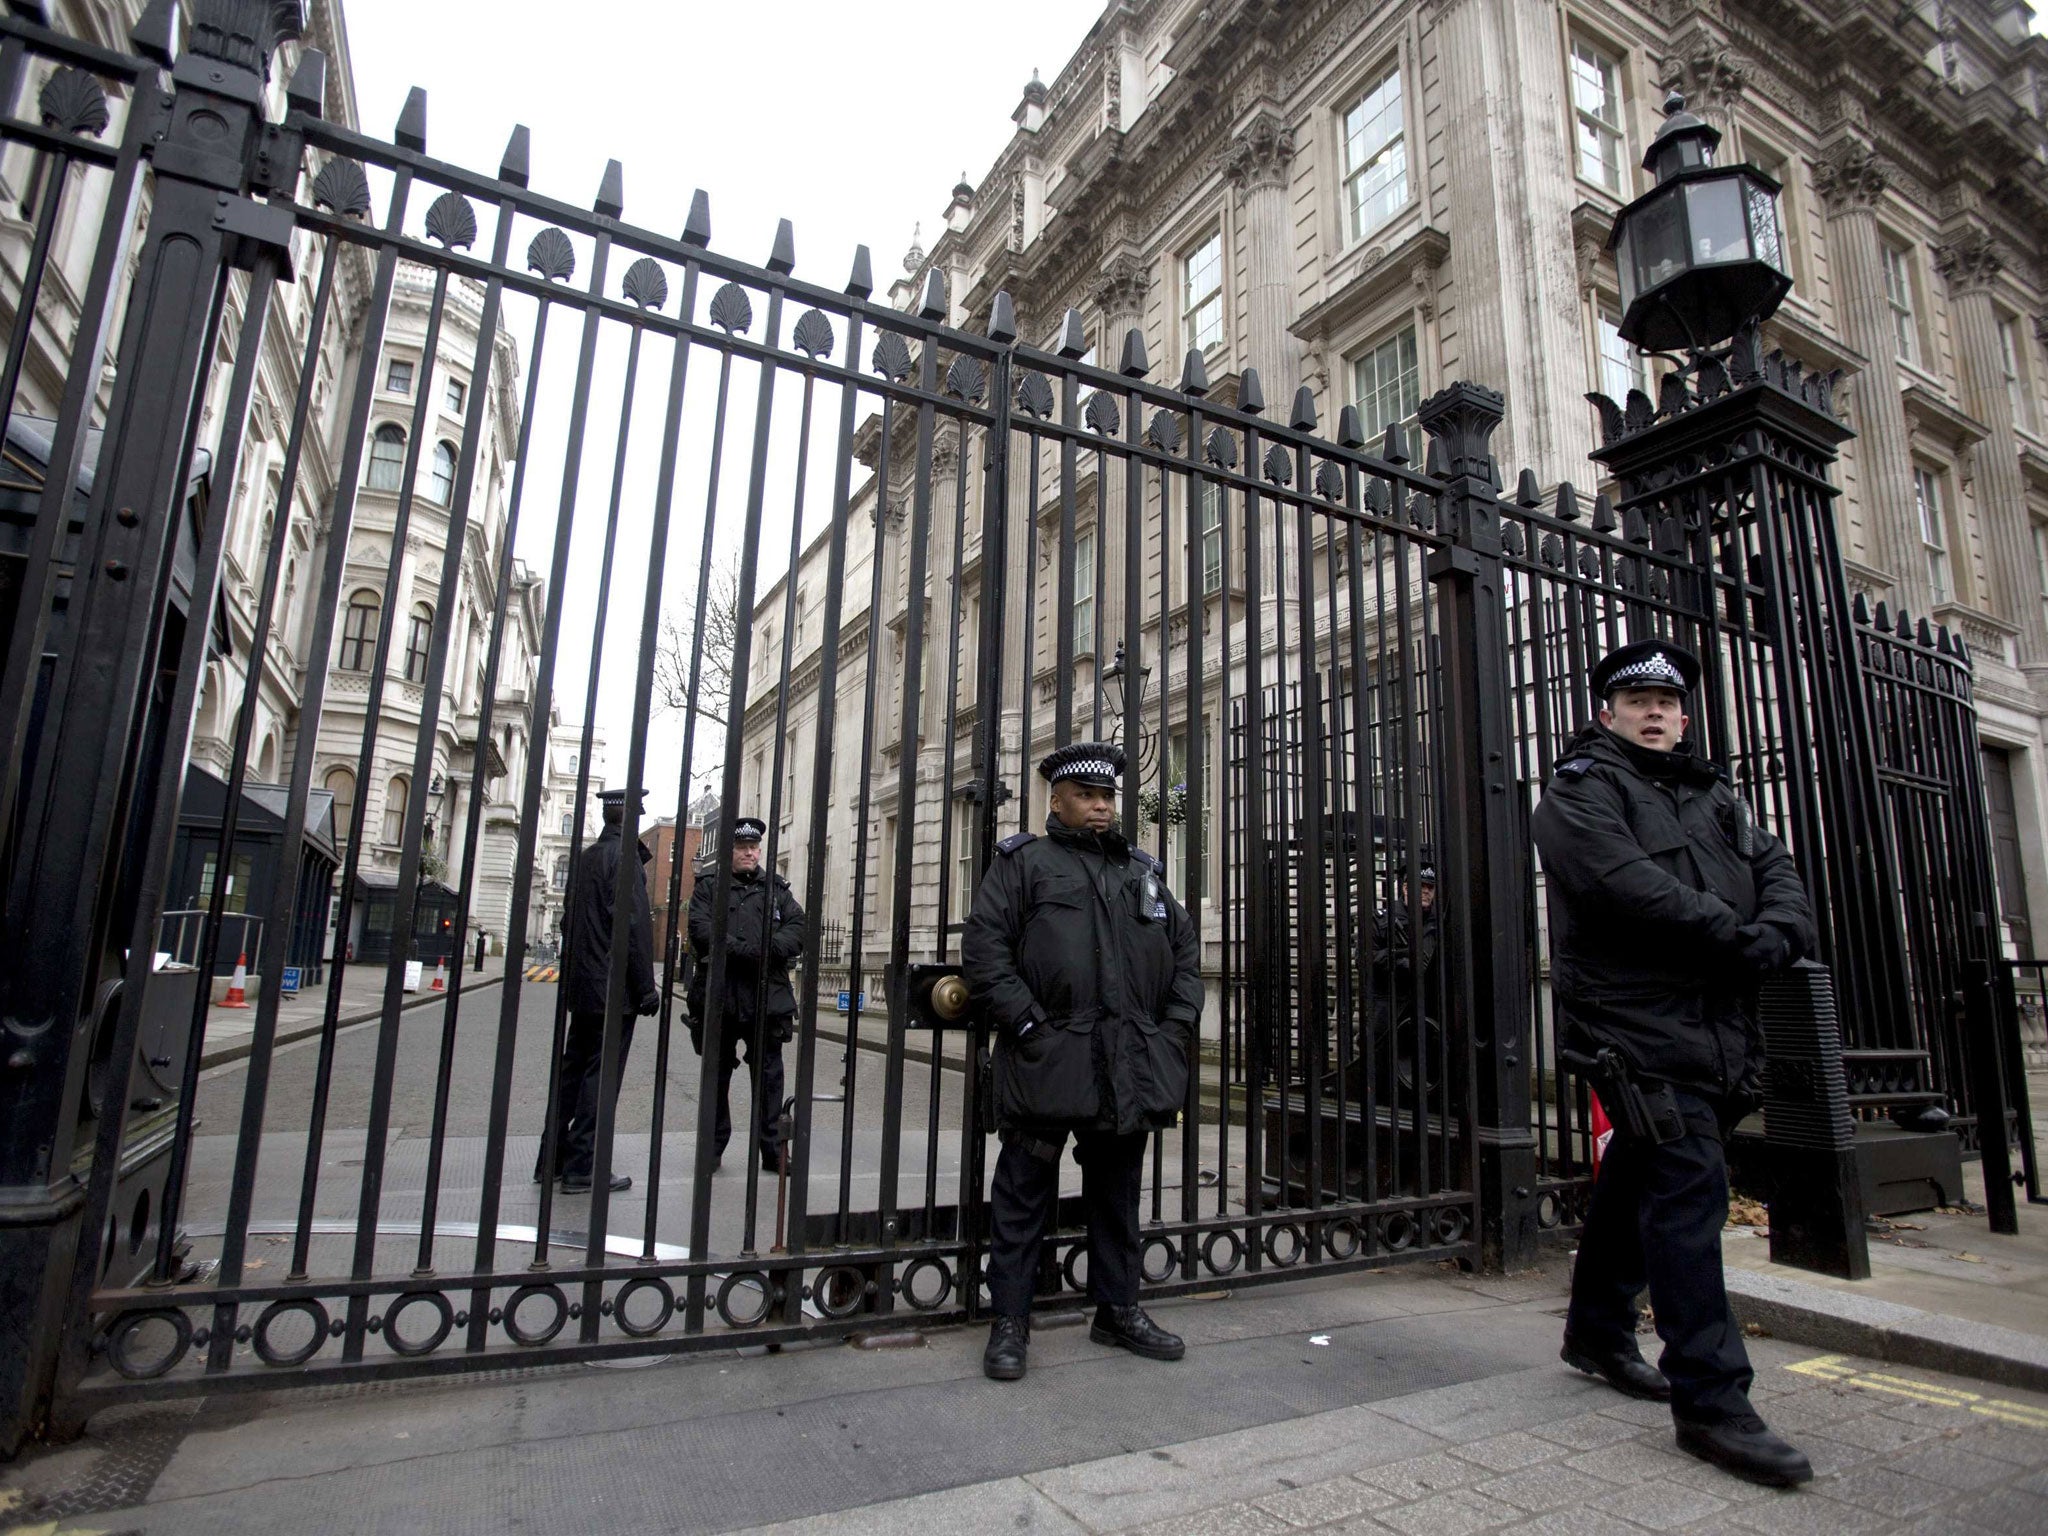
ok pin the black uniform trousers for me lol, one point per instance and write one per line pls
(576, 1090)
(1025, 1195)
(764, 1069)
(1656, 1220)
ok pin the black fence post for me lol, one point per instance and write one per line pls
(1484, 869)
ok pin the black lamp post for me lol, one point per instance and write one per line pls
(1115, 678)
(1701, 254)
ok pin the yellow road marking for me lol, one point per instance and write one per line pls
(1836, 1368)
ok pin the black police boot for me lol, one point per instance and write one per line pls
(771, 1162)
(1746, 1448)
(1008, 1339)
(1625, 1371)
(579, 1183)
(1129, 1328)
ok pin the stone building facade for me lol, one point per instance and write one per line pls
(1377, 197)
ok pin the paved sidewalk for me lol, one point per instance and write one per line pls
(229, 1030)
(1411, 1403)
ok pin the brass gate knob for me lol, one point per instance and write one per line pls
(949, 997)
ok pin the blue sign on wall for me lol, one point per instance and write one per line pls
(291, 980)
(846, 1001)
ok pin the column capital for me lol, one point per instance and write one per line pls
(1850, 176)
(1968, 261)
(1120, 287)
(1712, 75)
(1259, 152)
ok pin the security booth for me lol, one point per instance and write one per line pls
(374, 913)
(259, 840)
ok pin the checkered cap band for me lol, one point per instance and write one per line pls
(1654, 671)
(1085, 768)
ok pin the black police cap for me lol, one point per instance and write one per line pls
(1091, 762)
(617, 797)
(749, 829)
(1646, 664)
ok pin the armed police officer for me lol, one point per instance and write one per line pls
(586, 973)
(764, 932)
(1673, 902)
(1090, 971)
(1406, 936)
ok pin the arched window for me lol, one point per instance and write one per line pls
(387, 459)
(359, 632)
(417, 639)
(562, 873)
(394, 808)
(444, 473)
(342, 785)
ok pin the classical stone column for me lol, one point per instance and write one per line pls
(1969, 264)
(1851, 179)
(1258, 166)
(1119, 296)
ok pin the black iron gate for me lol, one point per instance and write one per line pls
(986, 548)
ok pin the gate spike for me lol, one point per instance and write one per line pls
(1433, 461)
(155, 33)
(307, 92)
(1925, 633)
(517, 160)
(1905, 626)
(1394, 446)
(1002, 318)
(1603, 515)
(1251, 399)
(1073, 339)
(1194, 374)
(611, 191)
(1567, 502)
(933, 305)
(1527, 492)
(1884, 616)
(1135, 365)
(411, 132)
(861, 282)
(1350, 434)
(1860, 608)
(783, 257)
(1303, 417)
(1941, 640)
(697, 222)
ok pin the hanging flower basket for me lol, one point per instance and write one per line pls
(1172, 809)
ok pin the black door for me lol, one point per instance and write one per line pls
(2005, 850)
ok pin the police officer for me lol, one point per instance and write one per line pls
(1673, 902)
(1090, 972)
(1408, 981)
(586, 973)
(764, 931)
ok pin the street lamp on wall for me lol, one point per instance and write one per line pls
(1701, 254)
(1117, 677)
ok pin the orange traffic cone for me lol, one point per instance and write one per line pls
(440, 975)
(238, 984)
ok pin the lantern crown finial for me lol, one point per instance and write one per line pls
(1684, 140)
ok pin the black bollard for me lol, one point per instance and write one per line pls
(1816, 1191)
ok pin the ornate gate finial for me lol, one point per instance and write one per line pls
(245, 32)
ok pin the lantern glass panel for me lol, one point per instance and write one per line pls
(1625, 262)
(1719, 231)
(1657, 234)
(1763, 224)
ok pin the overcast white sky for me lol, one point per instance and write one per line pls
(853, 121)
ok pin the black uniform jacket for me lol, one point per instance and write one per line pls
(1646, 852)
(764, 931)
(588, 946)
(1404, 959)
(1080, 933)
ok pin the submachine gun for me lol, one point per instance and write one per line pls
(1649, 1113)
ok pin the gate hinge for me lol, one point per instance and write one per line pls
(274, 162)
(254, 227)
(1452, 561)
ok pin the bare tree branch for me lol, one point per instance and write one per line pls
(678, 658)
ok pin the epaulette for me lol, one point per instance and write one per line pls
(1015, 841)
(1577, 768)
(1150, 861)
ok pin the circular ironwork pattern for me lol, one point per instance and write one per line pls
(518, 1332)
(1294, 1249)
(444, 1321)
(840, 1291)
(1343, 1238)
(1397, 1231)
(1161, 1272)
(633, 1288)
(1448, 1224)
(268, 1318)
(1077, 1279)
(739, 1282)
(930, 1264)
(121, 1342)
(1209, 1261)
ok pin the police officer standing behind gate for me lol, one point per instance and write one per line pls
(764, 931)
(587, 960)
(1673, 904)
(1090, 972)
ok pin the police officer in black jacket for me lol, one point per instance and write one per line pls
(586, 973)
(1091, 973)
(764, 932)
(1672, 904)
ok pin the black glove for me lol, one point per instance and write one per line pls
(649, 1005)
(1764, 948)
